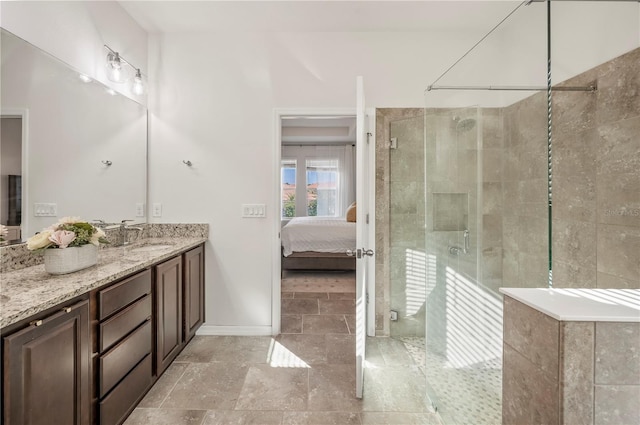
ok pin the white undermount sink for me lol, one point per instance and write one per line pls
(151, 248)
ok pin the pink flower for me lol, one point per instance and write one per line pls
(62, 238)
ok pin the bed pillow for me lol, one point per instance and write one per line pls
(351, 213)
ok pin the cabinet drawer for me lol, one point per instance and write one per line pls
(118, 361)
(127, 394)
(124, 293)
(124, 322)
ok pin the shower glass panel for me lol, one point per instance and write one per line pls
(486, 227)
(406, 224)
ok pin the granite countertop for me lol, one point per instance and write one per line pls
(581, 304)
(31, 290)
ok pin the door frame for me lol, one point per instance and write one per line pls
(276, 281)
(23, 114)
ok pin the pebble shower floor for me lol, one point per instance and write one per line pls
(465, 395)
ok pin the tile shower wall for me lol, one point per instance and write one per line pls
(596, 187)
(596, 201)
(525, 236)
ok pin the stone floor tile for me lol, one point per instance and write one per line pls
(299, 306)
(394, 352)
(324, 324)
(241, 349)
(208, 386)
(274, 388)
(341, 349)
(242, 417)
(397, 389)
(317, 295)
(309, 348)
(333, 388)
(291, 324)
(165, 417)
(399, 418)
(321, 418)
(342, 295)
(337, 306)
(164, 385)
(200, 349)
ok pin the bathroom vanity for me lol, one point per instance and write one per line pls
(84, 348)
(571, 356)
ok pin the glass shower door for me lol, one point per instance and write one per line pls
(463, 268)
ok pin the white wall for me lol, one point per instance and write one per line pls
(214, 105)
(214, 99)
(76, 31)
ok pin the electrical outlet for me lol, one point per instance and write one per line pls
(393, 315)
(139, 209)
(157, 209)
(45, 210)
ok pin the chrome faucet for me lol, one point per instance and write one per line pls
(123, 232)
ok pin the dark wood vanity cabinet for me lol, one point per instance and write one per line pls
(168, 293)
(179, 292)
(47, 369)
(124, 366)
(92, 360)
(193, 291)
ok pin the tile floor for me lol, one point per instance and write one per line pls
(306, 375)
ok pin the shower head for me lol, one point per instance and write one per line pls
(465, 124)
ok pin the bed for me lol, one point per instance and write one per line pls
(318, 243)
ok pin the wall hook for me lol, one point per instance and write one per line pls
(187, 162)
(107, 162)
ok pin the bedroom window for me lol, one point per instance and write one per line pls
(322, 187)
(288, 185)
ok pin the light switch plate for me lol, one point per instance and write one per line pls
(45, 210)
(157, 209)
(254, 210)
(140, 209)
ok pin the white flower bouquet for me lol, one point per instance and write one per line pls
(68, 232)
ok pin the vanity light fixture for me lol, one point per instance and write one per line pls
(187, 162)
(107, 162)
(118, 71)
(138, 85)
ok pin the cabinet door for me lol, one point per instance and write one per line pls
(169, 312)
(47, 375)
(193, 291)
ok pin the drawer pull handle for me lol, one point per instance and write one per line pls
(36, 323)
(67, 309)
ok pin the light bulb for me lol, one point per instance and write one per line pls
(115, 71)
(138, 85)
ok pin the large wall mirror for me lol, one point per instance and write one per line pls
(69, 145)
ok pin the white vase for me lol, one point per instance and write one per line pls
(69, 260)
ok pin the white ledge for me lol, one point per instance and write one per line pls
(581, 304)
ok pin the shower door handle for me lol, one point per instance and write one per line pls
(456, 250)
(466, 241)
(359, 253)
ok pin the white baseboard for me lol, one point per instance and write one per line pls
(235, 330)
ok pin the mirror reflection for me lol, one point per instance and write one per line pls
(69, 145)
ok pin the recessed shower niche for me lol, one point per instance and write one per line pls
(450, 212)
